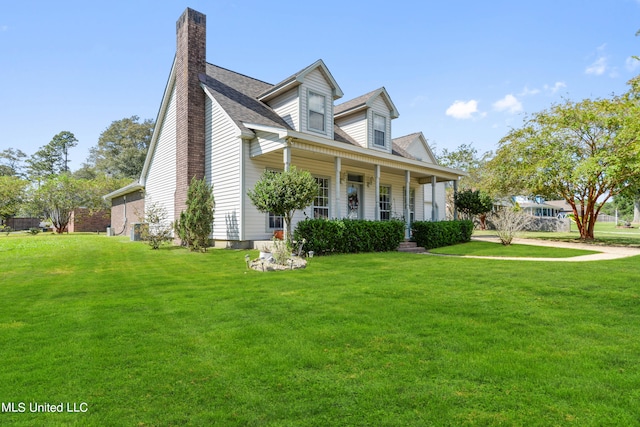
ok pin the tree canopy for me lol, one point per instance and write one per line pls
(467, 158)
(12, 194)
(282, 193)
(11, 162)
(585, 152)
(474, 203)
(52, 159)
(122, 148)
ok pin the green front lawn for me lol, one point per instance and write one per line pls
(169, 337)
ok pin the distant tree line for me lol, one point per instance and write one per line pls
(43, 185)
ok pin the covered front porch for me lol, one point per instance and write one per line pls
(355, 182)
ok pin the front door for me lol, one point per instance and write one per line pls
(354, 201)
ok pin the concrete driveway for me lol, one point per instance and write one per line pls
(604, 252)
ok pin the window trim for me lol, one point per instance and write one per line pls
(324, 113)
(327, 207)
(387, 202)
(270, 215)
(412, 212)
(384, 132)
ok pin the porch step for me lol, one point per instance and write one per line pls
(408, 246)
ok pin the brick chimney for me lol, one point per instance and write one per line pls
(190, 63)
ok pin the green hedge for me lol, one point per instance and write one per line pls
(349, 235)
(431, 235)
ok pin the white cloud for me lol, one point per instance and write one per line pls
(632, 63)
(527, 92)
(462, 109)
(555, 88)
(509, 103)
(598, 68)
(600, 65)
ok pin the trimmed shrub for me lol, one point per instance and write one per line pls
(325, 237)
(432, 235)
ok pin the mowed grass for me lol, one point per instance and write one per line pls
(605, 233)
(478, 248)
(168, 337)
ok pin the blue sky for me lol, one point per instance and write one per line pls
(459, 71)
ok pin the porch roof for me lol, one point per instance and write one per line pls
(324, 147)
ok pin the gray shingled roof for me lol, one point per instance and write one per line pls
(404, 141)
(399, 151)
(237, 93)
(354, 103)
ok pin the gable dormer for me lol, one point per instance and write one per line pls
(416, 146)
(305, 99)
(367, 119)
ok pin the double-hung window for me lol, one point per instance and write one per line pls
(412, 202)
(379, 130)
(316, 112)
(385, 203)
(321, 201)
(274, 222)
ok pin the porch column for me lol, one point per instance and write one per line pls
(337, 205)
(455, 192)
(376, 172)
(286, 157)
(407, 193)
(434, 211)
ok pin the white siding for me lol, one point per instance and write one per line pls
(160, 184)
(356, 127)
(379, 107)
(418, 150)
(440, 201)
(264, 143)
(255, 221)
(222, 170)
(316, 83)
(287, 106)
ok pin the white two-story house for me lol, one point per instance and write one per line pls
(229, 128)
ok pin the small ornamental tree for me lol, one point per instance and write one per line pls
(508, 222)
(474, 203)
(282, 193)
(158, 229)
(195, 224)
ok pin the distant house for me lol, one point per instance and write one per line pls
(538, 207)
(229, 128)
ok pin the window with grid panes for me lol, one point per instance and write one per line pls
(321, 201)
(316, 112)
(385, 203)
(412, 202)
(379, 130)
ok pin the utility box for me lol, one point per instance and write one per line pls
(136, 231)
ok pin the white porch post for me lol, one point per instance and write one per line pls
(407, 193)
(337, 205)
(286, 157)
(377, 190)
(455, 192)
(434, 211)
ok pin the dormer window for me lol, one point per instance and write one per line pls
(316, 112)
(379, 130)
